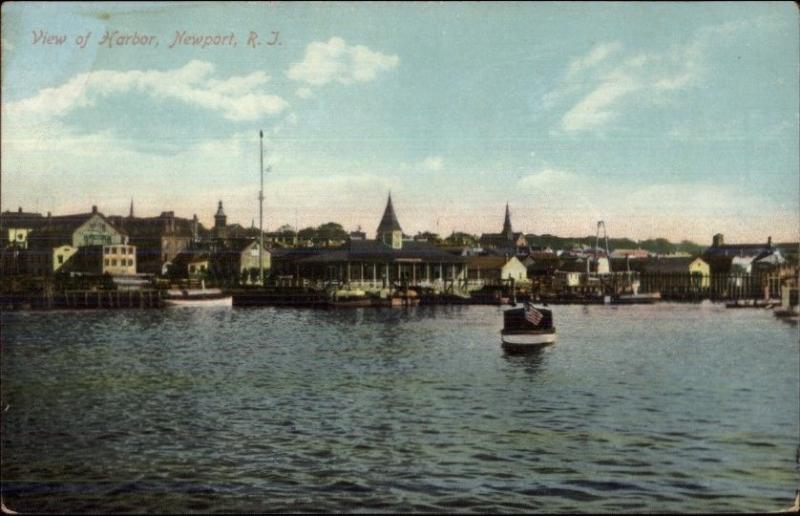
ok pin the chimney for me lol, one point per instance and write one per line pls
(94, 208)
(769, 241)
(194, 226)
(719, 240)
(20, 209)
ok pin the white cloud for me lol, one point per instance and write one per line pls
(616, 80)
(595, 109)
(304, 93)
(238, 98)
(547, 178)
(599, 53)
(336, 61)
(433, 163)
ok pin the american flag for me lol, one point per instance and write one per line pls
(532, 314)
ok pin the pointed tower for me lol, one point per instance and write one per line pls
(220, 219)
(507, 231)
(220, 223)
(389, 231)
(130, 215)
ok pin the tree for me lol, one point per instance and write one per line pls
(331, 231)
(429, 237)
(308, 233)
(461, 238)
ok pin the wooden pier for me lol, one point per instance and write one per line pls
(84, 299)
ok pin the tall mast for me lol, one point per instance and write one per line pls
(261, 210)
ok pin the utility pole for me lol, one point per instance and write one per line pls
(261, 211)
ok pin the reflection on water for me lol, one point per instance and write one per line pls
(640, 408)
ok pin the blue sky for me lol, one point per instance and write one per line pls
(676, 120)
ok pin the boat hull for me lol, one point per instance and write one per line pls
(636, 299)
(519, 342)
(220, 301)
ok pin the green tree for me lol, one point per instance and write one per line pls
(331, 231)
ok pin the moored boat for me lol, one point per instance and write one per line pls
(197, 297)
(527, 329)
(636, 298)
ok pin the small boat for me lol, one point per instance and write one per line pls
(197, 297)
(527, 329)
(636, 299)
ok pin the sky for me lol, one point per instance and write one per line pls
(676, 120)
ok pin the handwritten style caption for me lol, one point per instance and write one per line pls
(181, 38)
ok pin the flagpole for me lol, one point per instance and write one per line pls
(261, 210)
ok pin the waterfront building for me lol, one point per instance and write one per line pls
(237, 261)
(15, 226)
(84, 242)
(483, 270)
(190, 263)
(386, 262)
(158, 240)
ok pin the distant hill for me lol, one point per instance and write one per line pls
(657, 245)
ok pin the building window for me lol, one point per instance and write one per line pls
(106, 262)
(124, 250)
(114, 250)
(130, 262)
(60, 259)
(107, 250)
(114, 262)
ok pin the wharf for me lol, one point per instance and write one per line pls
(83, 299)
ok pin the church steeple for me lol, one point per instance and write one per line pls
(507, 231)
(389, 231)
(130, 215)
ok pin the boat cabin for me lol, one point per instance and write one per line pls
(515, 319)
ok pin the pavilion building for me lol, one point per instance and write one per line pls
(387, 262)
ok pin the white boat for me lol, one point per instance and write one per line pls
(197, 297)
(527, 329)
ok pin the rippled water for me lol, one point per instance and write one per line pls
(659, 408)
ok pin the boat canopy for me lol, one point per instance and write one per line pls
(515, 319)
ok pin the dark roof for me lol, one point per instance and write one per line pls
(375, 250)
(487, 262)
(21, 219)
(572, 265)
(58, 230)
(190, 255)
(238, 245)
(389, 221)
(635, 264)
(667, 265)
(165, 224)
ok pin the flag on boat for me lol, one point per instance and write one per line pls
(532, 314)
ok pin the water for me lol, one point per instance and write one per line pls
(639, 408)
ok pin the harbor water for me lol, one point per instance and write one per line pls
(670, 407)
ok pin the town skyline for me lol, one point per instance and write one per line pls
(678, 130)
